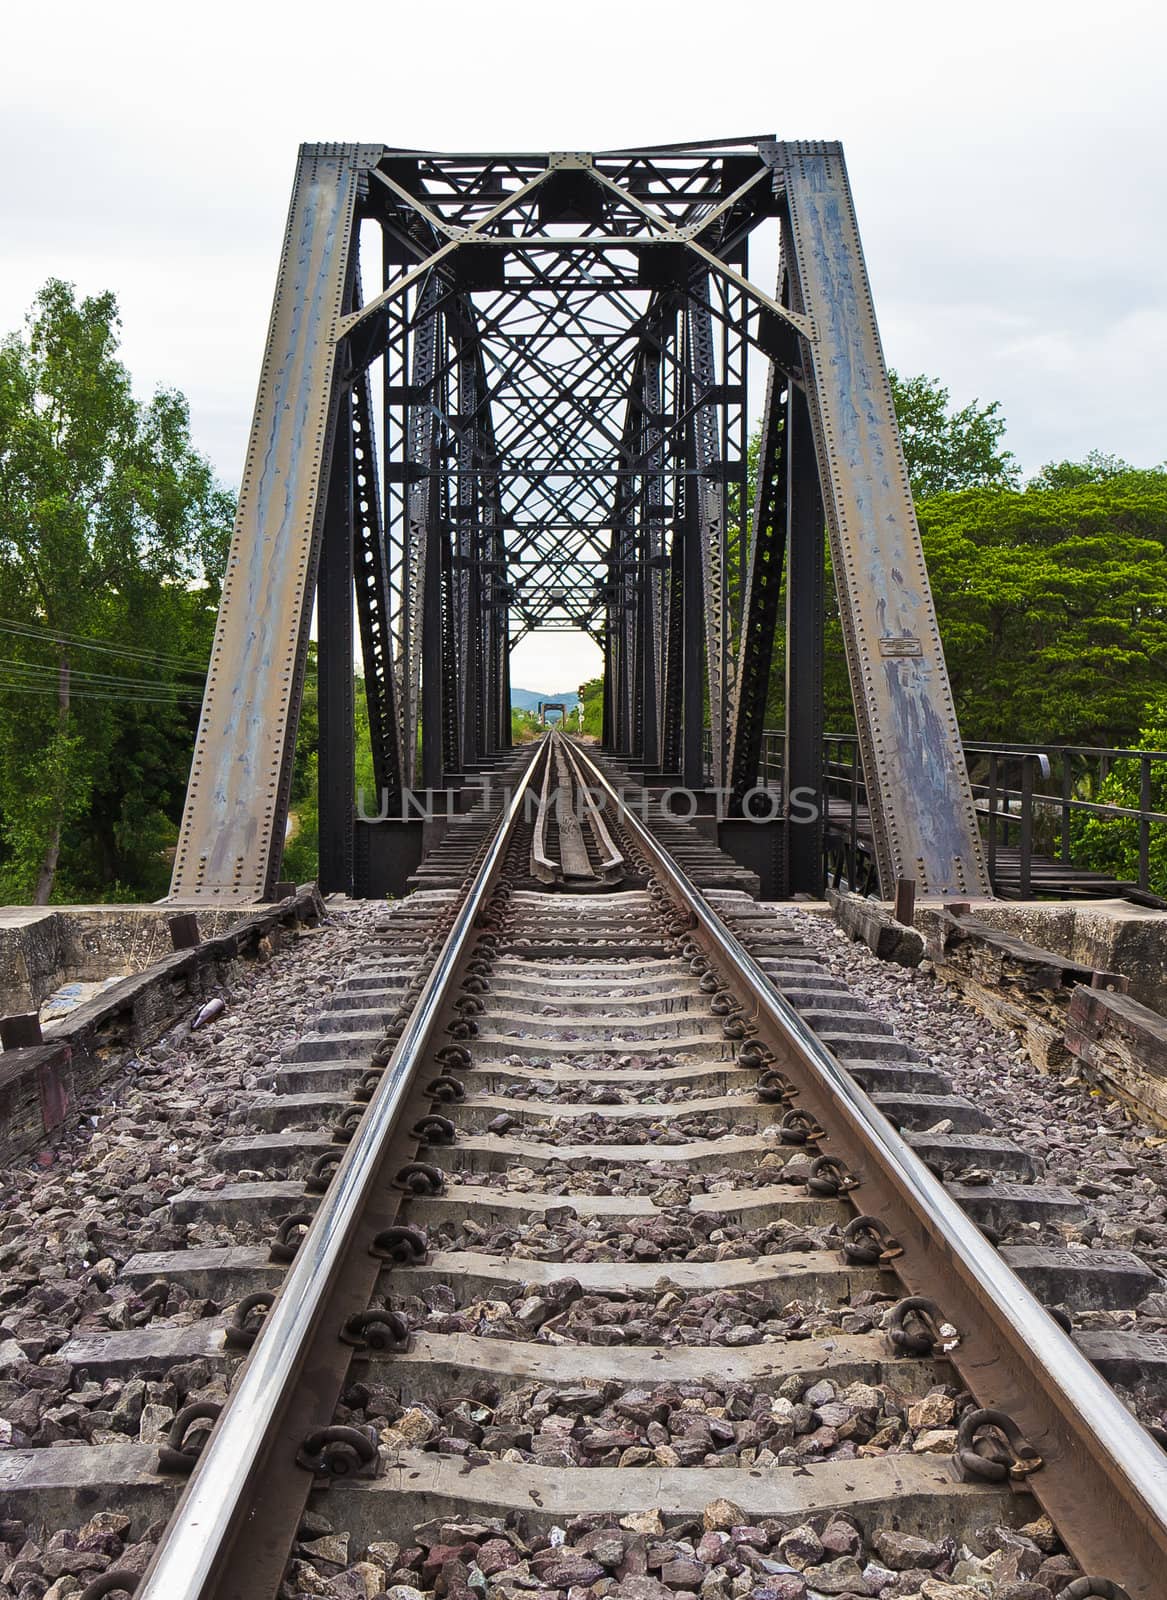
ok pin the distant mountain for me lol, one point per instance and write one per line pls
(529, 699)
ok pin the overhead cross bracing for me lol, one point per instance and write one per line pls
(561, 312)
(505, 393)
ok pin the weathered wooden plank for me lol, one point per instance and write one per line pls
(1017, 986)
(1122, 1043)
(871, 924)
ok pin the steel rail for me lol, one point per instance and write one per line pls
(1104, 1481)
(574, 862)
(226, 1482)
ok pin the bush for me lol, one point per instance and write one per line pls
(1111, 844)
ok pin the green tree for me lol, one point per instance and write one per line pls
(1052, 600)
(1098, 467)
(524, 726)
(946, 449)
(592, 695)
(111, 529)
(1052, 606)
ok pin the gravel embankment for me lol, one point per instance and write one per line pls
(1084, 1140)
(76, 1213)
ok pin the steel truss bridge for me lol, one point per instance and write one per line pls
(508, 392)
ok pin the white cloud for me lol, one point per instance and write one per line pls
(552, 662)
(1008, 168)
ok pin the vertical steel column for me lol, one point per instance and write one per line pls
(474, 723)
(494, 679)
(628, 520)
(652, 509)
(629, 618)
(504, 686)
(334, 669)
(444, 491)
(492, 575)
(420, 499)
(674, 656)
(374, 602)
(736, 457)
(693, 669)
(394, 515)
(803, 796)
(468, 560)
(707, 511)
(609, 680)
(432, 651)
(500, 625)
(617, 635)
(762, 584)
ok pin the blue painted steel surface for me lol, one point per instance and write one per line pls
(231, 838)
(922, 807)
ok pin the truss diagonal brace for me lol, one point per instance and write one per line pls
(467, 236)
(231, 841)
(685, 236)
(922, 812)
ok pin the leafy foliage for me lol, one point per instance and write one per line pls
(1052, 600)
(1053, 607)
(524, 725)
(1097, 467)
(948, 450)
(112, 529)
(592, 695)
(1112, 844)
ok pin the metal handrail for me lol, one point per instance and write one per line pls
(999, 806)
(1098, 1424)
(1055, 802)
(223, 1483)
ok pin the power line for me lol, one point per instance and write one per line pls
(182, 664)
(45, 635)
(96, 694)
(41, 630)
(38, 669)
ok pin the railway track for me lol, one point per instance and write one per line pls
(592, 1244)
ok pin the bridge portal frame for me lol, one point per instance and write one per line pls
(557, 435)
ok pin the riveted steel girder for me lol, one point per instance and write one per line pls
(918, 791)
(231, 839)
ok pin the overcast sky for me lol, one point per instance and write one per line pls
(1008, 164)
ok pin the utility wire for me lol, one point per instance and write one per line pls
(44, 635)
(42, 630)
(96, 694)
(38, 669)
